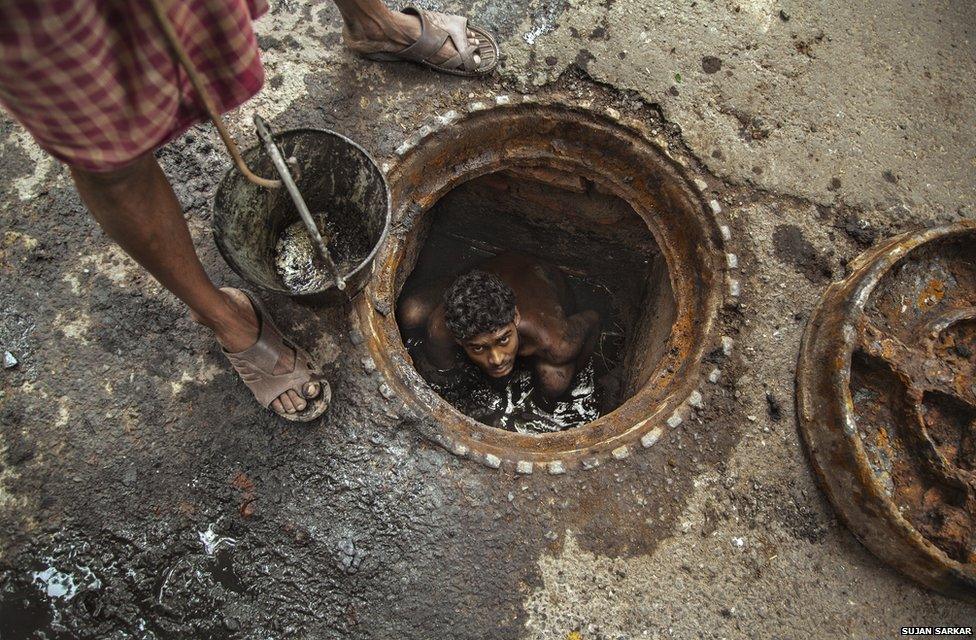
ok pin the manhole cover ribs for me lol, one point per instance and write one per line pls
(886, 400)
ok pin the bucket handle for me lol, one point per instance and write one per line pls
(208, 105)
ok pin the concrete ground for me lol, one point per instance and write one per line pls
(143, 494)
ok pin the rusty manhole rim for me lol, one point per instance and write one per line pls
(827, 423)
(418, 182)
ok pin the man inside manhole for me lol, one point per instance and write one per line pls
(510, 309)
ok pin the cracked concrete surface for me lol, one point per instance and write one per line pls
(135, 469)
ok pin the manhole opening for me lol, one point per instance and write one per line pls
(614, 214)
(602, 248)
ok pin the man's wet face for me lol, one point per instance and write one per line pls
(494, 351)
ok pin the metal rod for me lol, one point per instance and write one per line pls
(278, 160)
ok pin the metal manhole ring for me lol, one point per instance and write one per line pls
(886, 403)
(634, 169)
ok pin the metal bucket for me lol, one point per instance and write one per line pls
(335, 175)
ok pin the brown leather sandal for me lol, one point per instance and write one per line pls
(435, 29)
(256, 364)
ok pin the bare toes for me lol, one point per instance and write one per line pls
(277, 406)
(297, 400)
(287, 403)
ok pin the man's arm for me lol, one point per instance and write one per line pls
(440, 346)
(568, 348)
(573, 342)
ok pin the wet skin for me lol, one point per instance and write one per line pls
(545, 331)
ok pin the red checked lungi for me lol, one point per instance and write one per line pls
(96, 84)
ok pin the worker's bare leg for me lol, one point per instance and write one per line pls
(137, 208)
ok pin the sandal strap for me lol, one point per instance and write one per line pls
(256, 364)
(432, 37)
(457, 27)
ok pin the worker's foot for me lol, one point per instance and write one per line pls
(395, 34)
(439, 41)
(240, 334)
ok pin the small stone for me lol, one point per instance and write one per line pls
(701, 184)
(785, 17)
(674, 420)
(368, 365)
(738, 542)
(695, 399)
(715, 206)
(386, 391)
(523, 466)
(714, 376)
(726, 232)
(493, 461)
(650, 438)
(731, 260)
(9, 361)
(356, 337)
(620, 452)
(556, 467)
(727, 345)
(591, 463)
(403, 148)
(751, 418)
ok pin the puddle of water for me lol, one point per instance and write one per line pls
(30, 604)
(62, 585)
(212, 541)
(24, 611)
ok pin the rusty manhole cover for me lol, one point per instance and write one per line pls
(886, 400)
(532, 159)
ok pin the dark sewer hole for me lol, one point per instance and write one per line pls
(603, 251)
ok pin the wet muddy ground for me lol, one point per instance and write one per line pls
(143, 494)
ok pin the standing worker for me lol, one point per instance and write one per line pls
(97, 85)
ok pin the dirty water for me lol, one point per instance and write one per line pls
(514, 404)
(35, 601)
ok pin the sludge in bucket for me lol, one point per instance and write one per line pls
(259, 233)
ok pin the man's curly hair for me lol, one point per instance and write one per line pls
(478, 302)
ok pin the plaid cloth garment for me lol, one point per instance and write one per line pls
(96, 84)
